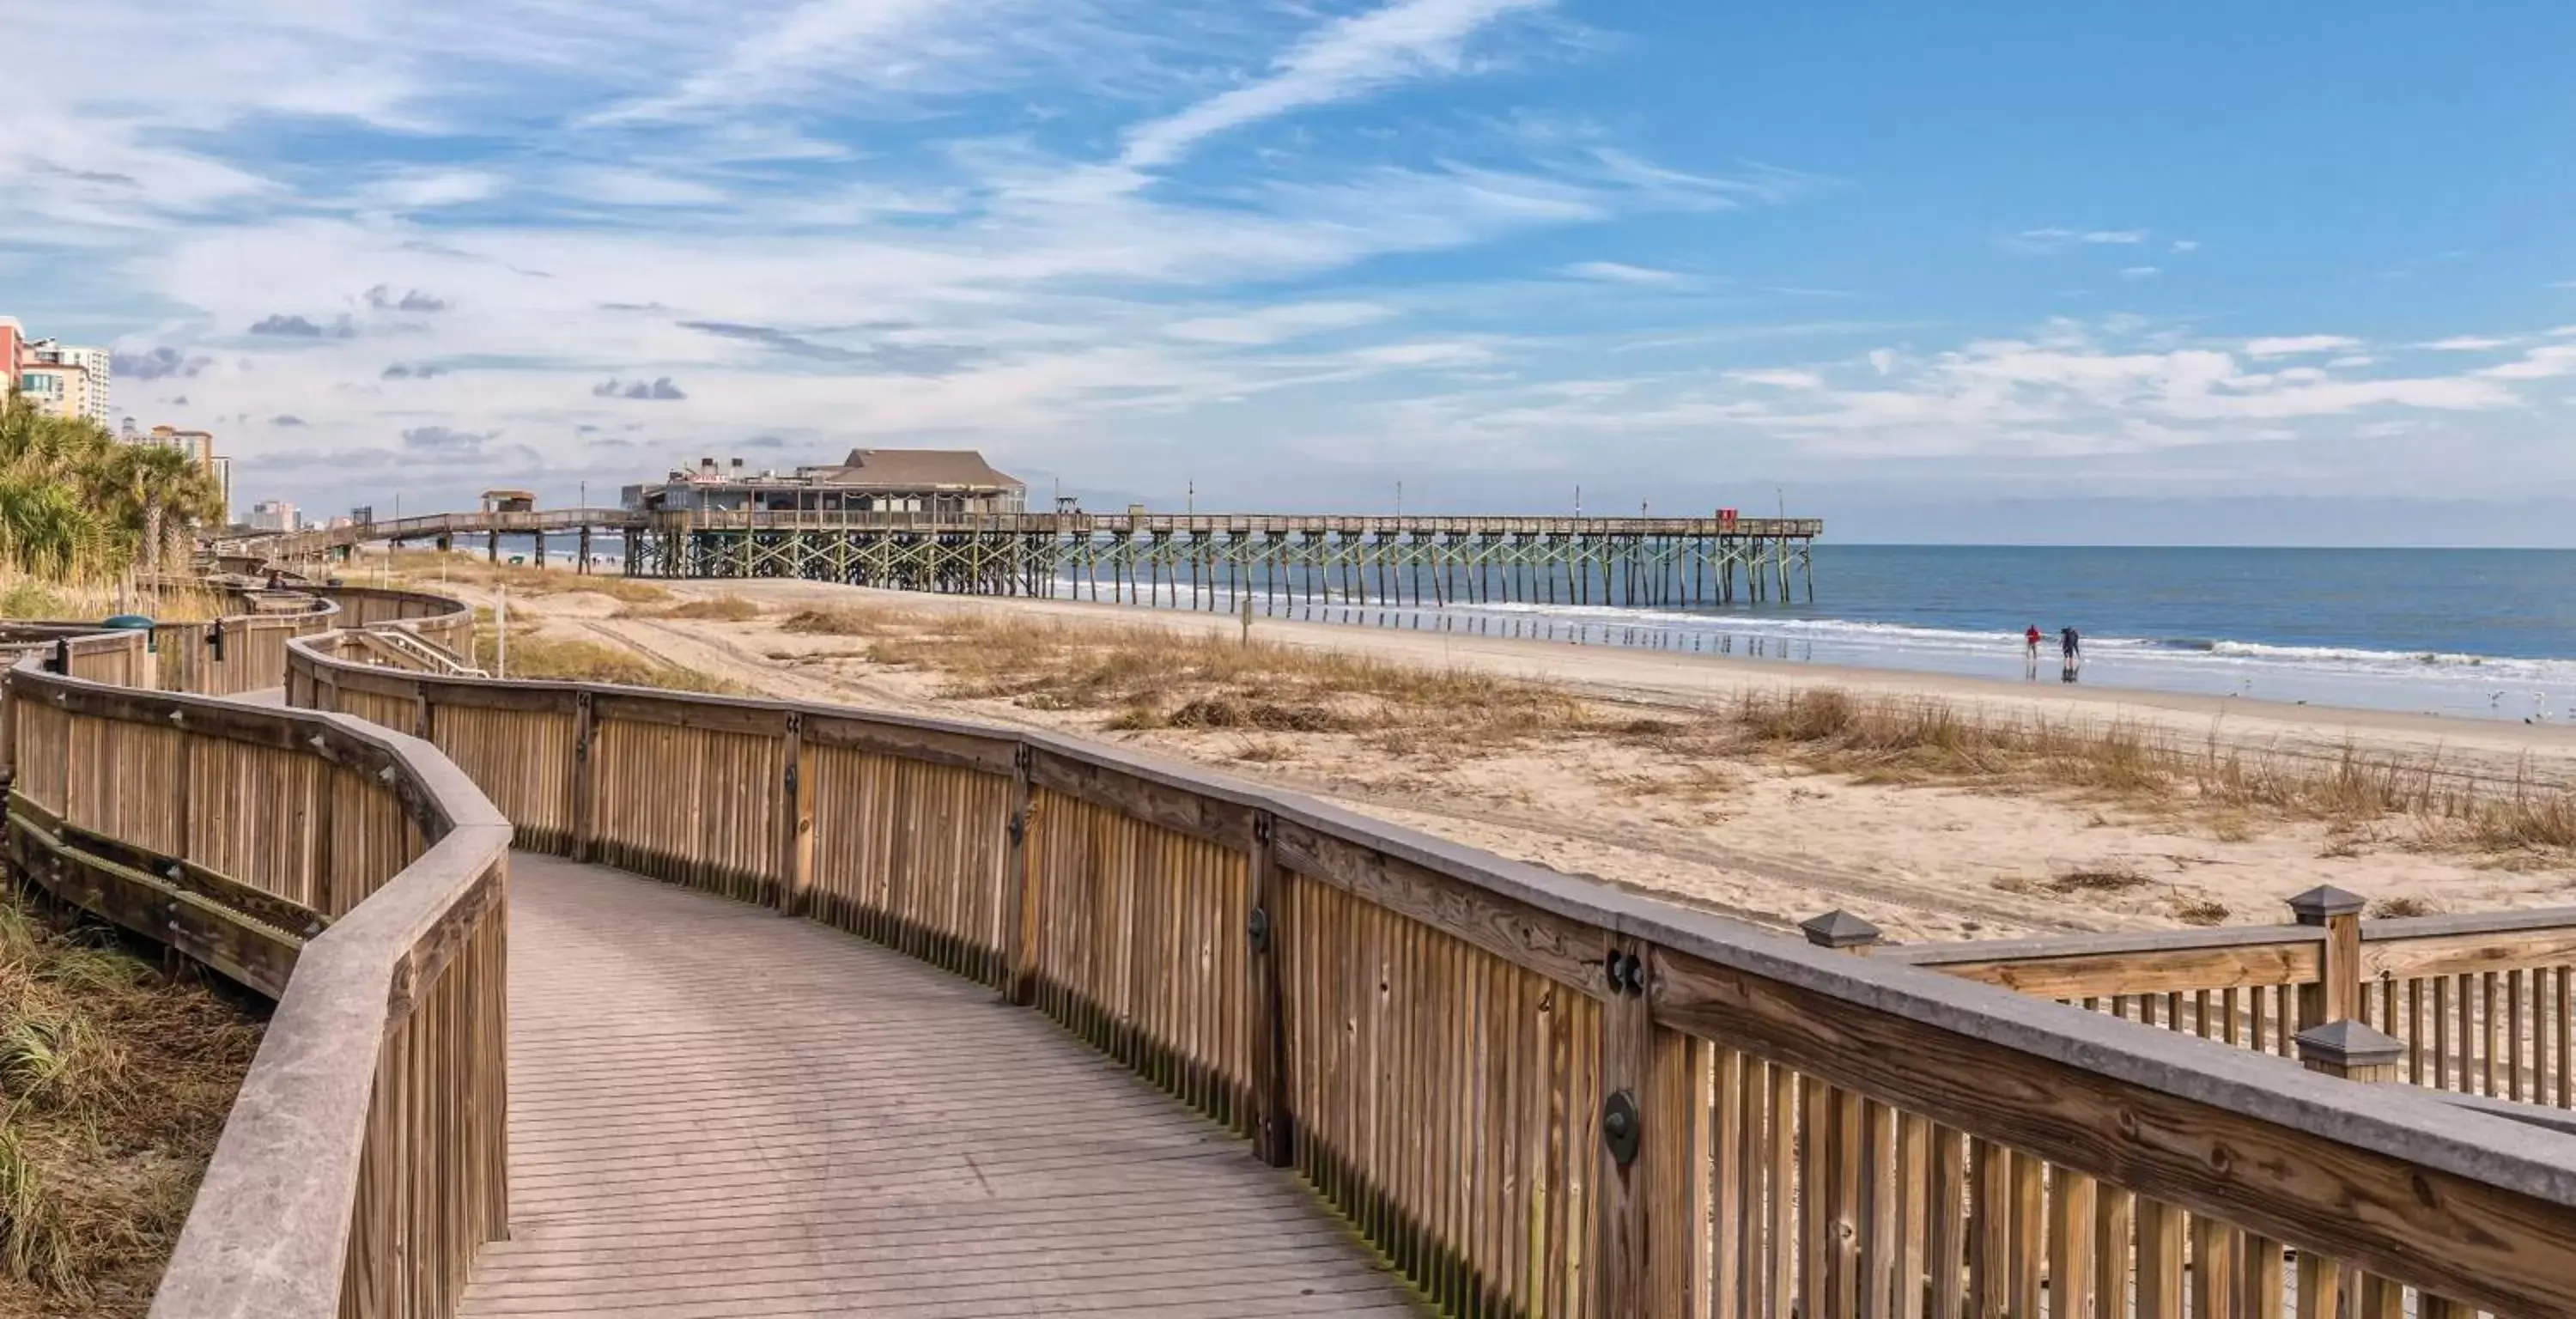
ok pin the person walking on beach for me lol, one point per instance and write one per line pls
(2031, 637)
(2070, 646)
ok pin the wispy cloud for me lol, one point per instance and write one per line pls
(1295, 320)
(781, 57)
(657, 390)
(2469, 343)
(1619, 272)
(1345, 58)
(2135, 273)
(2298, 345)
(2056, 239)
(2546, 362)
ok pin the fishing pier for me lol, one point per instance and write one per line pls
(1213, 560)
(946, 520)
(1198, 560)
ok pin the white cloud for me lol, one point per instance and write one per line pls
(2054, 238)
(1450, 353)
(2543, 363)
(2469, 343)
(1882, 360)
(2299, 345)
(768, 62)
(610, 186)
(1618, 272)
(1348, 57)
(2135, 273)
(423, 190)
(1275, 324)
(2186, 245)
(1779, 378)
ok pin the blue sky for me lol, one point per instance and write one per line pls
(1949, 272)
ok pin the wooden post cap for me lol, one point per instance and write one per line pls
(2348, 1045)
(2325, 900)
(1839, 929)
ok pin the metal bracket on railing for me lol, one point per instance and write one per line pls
(1623, 972)
(1019, 828)
(62, 657)
(1623, 1128)
(1023, 757)
(215, 639)
(1258, 928)
(1261, 823)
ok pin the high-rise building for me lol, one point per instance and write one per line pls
(56, 389)
(97, 364)
(275, 515)
(64, 380)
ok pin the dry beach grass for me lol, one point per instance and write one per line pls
(1941, 809)
(114, 1083)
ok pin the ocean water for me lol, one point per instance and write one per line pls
(2486, 634)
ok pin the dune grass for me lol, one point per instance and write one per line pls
(1149, 678)
(427, 569)
(713, 609)
(539, 654)
(1913, 740)
(114, 1084)
(36, 599)
(1145, 677)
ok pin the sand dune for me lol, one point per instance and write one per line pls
(1759, 837)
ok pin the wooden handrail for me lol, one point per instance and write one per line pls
(365, 1158)
(2484, 1002)
(1537, 1093)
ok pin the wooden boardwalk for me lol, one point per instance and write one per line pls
(716, 1111)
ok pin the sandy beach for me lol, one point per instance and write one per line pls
(1758, 837)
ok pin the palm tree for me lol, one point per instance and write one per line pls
(159, 492)
(75, 503)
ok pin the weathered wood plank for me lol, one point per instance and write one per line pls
(1565, 951)
(2469, 1239)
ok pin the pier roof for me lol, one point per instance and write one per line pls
(915, 469)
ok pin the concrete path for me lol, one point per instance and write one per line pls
(715, 1111)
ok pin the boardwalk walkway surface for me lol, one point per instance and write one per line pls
(719, 1112)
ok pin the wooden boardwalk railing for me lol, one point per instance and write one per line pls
(358, 877)
(2485, 1004)
(1537, 1095)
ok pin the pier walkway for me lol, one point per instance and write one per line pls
(714, 1111)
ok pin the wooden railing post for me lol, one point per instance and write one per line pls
(585, 732)
(1837, 1132)
(1018, 982)
(2351, 1050)
(796, 822)
(2336, 993)
(1621, 1260)
(1273, 1130)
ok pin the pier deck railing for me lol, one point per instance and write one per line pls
(1536, 1094)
